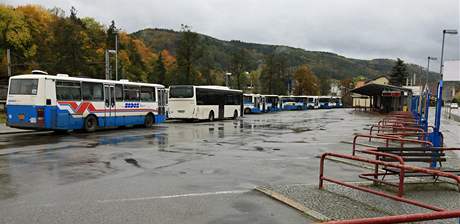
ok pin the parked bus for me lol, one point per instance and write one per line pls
(41, 101)
(253, 103)
(312, 102)
(271, 103)
(336, 102)
(189, 102)
(293, 102)
(325, 102)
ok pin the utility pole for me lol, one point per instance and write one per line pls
(8, 61)
(107, 64)
(116, 56)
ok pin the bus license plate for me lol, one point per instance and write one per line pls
(21, 117)
(181, 111)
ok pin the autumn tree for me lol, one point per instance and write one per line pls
(305, 82)
(399, 73)
(15, 34)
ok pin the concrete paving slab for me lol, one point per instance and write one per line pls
(336, 202)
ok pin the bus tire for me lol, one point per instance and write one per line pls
(235, 115)
(211, 116)
(149, 120)
(247, 111)
(90, 124)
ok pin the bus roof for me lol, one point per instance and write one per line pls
(211, 87)
(69, 78)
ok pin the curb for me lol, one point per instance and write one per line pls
(21, 132)
(294, 204)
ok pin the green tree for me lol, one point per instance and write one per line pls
(399, 73)
(112, 31)
(159, 71)
(306, 83)
(274, 76)
(188, 52)
(71, 45)
(238, 66)
(324, 86)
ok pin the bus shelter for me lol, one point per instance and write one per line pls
(385, 98)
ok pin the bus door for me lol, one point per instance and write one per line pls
(264, 101)
(162, 98)
(222, 107)
(110, 106)
(256, 102)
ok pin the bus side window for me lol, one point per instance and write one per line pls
(131, 93)
(147, 94)
(92, 91)
(118, 92)
(68, 90)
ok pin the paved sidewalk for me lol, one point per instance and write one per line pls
(335, 202)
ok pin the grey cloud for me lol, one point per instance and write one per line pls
(410, 29)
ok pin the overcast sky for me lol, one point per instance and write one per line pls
(366, 29)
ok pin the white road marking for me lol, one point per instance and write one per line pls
(174, 196)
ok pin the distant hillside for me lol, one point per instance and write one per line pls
(323, 64)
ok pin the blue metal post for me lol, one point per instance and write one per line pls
(427, 110)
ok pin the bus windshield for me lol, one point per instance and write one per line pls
(181, 92)
(23, 86)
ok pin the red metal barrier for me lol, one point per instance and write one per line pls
(395, 127)
(388, 139)
(401, 218)
(403, 168)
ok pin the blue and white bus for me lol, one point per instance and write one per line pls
(337, 102)
(63, 103)
(293, 102)
(312, 102)
(271, 103)
(325, 102)
(253, 103)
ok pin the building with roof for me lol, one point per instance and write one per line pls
(378, 95)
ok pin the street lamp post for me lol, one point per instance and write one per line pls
(436, 139)
(107, 63)
(428, 69)
(116, 56)
(227, 78)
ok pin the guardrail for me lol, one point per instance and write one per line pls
(388, 139)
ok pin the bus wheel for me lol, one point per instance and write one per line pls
(149, 121)
(247, 111)
(211, 116)
(90, 123)
(235, 115)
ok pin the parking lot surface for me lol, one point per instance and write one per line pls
(176, 172)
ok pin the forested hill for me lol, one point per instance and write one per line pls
(323, 64)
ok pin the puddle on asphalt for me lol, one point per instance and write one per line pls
(63, 159)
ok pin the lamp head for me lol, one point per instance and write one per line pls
(450, 31)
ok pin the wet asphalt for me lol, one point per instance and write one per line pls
(176, 172)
